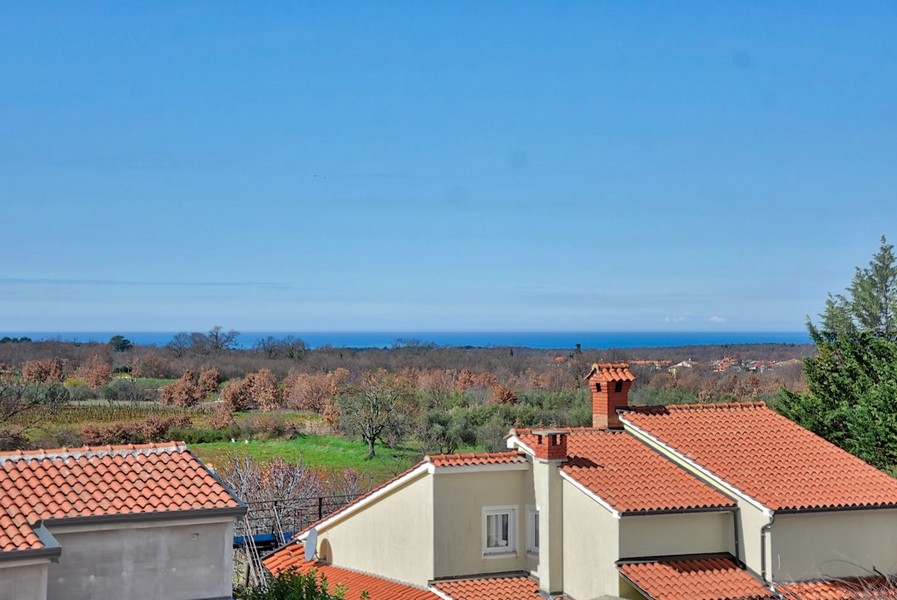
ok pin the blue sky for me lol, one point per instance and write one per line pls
(424, 166)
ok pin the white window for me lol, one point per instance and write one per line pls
(532, 530)
(500, 530)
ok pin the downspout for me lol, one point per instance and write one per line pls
(763, 533)
(736, 517)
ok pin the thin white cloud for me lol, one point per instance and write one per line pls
(717, 319)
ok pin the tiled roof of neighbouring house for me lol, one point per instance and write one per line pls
(879, 588)
(292, 556)
(519, 587)
(766, 456)
(468, 460)
(628, 475)
(103, 481)
(708, 578)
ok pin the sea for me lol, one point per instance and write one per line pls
(473, 339)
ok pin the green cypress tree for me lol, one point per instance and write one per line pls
(852, 379)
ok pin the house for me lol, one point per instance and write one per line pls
(114, 522)
(717, 501)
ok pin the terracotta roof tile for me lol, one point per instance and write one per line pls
(517, 587)
(14, 537)
(629, 476)
(483, 458)
(611, 372)
(766, 456)
(841, 589)
(53, 484)
(378, 588)
(710, 578)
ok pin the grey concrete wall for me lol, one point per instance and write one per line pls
(172, 562)
(23, 582)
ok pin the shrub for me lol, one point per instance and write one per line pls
(125, 389)
(50, 370)
(183, 392)
(95, 371)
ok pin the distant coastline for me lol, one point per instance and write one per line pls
(388, 339)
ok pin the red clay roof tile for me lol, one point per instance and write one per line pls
(766, 456)
(611, 372)
(483, 458)
(517, 587)
(710, 578)
(53, 484)
(629, 476)
(841, 589)
(378, 588)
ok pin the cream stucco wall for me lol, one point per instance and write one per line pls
(677, 533)
(591, 546)
(25, 581)
(459, 498)
(392, 536)
(147, 560)
(751, 521)
(834, 544)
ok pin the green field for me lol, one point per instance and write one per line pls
(328, 454)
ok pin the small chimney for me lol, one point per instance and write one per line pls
(609, 384)
(551, 444)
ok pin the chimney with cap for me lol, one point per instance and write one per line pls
(609, 384)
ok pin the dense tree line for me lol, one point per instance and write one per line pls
(446, 398)
(851, 398)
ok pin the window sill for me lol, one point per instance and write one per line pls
(502, 554)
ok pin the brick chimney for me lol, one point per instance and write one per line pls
(609, 384)
(551, 444)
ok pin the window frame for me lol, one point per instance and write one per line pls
(532, 529)
(511, 547)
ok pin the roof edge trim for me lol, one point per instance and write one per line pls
(415, 472)
(515, 443)
(159, 515)
(490, 468)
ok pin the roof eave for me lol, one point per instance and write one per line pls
(190, 513)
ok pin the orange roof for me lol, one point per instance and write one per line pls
(16, 538)
(841, 589)
(292, 556)
(710, 578)
(629, 476)
(101, 481)
(766, 456)
(483, 458)
(516, 587)
(611, 372)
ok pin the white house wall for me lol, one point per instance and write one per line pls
(458, 500)
(677, 533)
(591, 547)
(23, 582)
(834, 544)
(168, 562)
(392, 536)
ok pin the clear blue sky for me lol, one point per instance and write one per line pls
(437, 166)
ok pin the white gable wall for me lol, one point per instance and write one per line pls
(166, 560)
(459, 499)
(391, 536)
(677, 533)
(842, 543)
(23, 580)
